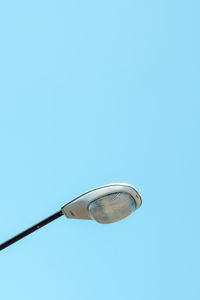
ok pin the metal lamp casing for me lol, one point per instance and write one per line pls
(78, 208)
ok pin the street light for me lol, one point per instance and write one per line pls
(107, 204)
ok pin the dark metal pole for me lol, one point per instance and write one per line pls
(31, 229)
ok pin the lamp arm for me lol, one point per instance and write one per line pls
(31, 229)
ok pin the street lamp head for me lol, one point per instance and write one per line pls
(106, 204)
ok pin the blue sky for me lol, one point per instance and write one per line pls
(95, 92)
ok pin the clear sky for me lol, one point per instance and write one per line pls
(96, 92)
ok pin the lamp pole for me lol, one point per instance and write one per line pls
(31, 229)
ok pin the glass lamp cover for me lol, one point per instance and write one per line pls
(112, 208)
